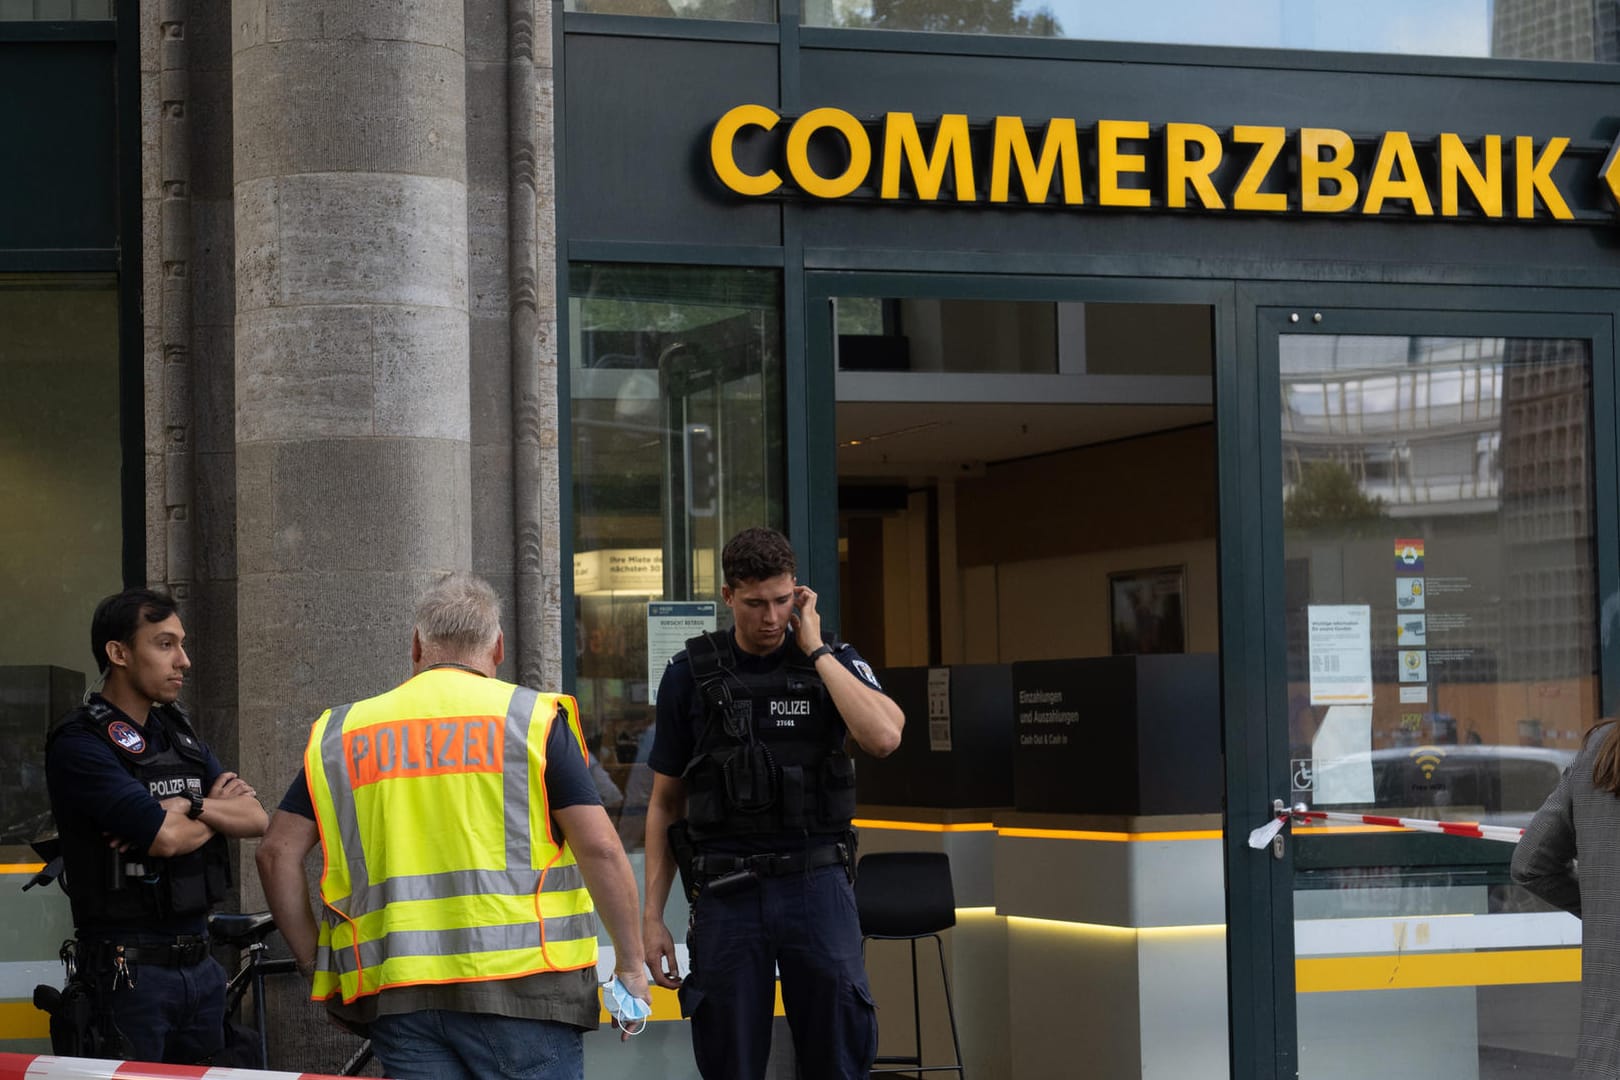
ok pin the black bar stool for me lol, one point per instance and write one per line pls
(905, 896)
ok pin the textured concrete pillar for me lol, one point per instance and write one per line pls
(351, 345)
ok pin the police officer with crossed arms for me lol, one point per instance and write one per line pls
(143, 809)
(749, 766)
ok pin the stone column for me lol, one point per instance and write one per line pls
(352, 412)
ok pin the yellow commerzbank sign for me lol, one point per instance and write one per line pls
(1130, 164)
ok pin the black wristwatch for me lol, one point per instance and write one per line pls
(819, 652)
(196, 810)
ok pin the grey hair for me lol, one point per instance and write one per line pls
(461, 614)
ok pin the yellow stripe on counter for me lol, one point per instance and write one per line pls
(21, 868)
(665, 1006)
(923, 826)
(1415, 971)
(20, 1020)
(1114, 837)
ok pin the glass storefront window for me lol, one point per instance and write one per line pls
(55, 10)
(677, 414)
(1587, 30)
(61, 536)
(928, 335)
(728, 10)
(1440, 595)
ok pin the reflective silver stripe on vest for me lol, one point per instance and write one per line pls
(519, 879)
(337, 785)
(477, 939)
(515, 786)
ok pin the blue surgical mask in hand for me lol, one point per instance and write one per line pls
(627, 1010)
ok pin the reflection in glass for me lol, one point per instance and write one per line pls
(1437, 511)
(728, 10)
(1583, 30)
(966, 336)
(61, 535)
(676, 386)
(55, 10)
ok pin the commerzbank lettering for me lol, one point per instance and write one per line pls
(1134, 164)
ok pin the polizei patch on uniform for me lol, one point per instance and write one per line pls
(786, 712)
(124, 734)
(174, 785)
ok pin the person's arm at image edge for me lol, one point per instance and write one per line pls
(612, 885)
(1544, 860)
(665, 806)
(280, 860)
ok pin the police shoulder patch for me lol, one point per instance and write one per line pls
(124, 734)
(864, 670)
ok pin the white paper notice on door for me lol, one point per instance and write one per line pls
(1341, 654)
(939, 708)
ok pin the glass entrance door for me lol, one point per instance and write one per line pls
(1438, 492)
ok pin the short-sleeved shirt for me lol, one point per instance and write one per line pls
(680, 720)
(567, 997)
(568, 780)
(92, 791)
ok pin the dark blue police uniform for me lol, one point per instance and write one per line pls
(141, 923)
(770, 791)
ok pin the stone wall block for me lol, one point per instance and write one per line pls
(487, 252)
(255, 513)
(151, 33)
(208, 36)
(303, 372)
(492, 518)
(157, 549)
(213, 272)
(371, 504)
(178, 541)
(324, 653)
(248, 24)
(490, 380)
(425, 22)
(545, 177)
(486, 30)
(420, 357)
(213, 388)
(258, 244)
(486, 126)
(371, 238)
(382, 106)
(152, 376)
(211, 134)
(215, 509)
(542, 42)
(151, 125)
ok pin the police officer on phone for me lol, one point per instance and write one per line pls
(752, 797)
(143, 809)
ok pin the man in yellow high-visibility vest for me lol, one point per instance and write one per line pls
(464, 845)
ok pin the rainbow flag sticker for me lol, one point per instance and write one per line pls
(1409, 555)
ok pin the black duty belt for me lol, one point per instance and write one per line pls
(102, 955)
(769, 865)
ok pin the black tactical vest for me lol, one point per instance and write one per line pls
(770, 756)
(109, 887)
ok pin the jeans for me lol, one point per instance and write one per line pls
(173, 1014)
(436, 1044)
(805, 926)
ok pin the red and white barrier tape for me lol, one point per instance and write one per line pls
(45, 1067)
(1450, 828)
(1262, 836)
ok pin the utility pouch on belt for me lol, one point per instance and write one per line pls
(680, 842)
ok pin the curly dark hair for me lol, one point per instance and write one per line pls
(757, 554)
